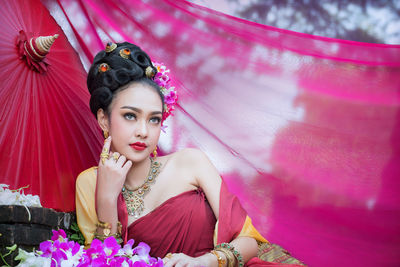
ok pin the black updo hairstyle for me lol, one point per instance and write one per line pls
(124, 63)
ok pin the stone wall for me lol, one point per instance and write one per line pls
(28, 227)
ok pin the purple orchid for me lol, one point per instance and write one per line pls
(142, 249)
(111, 247)
(46, 248)
(58, 235)
(62, 252)
(127, 249)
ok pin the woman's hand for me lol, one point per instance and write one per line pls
(111, 176)
(180, 260)
(111, 173)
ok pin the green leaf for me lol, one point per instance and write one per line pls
(74, 226)
(75, 237)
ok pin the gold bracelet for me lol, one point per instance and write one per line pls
(235, 253)
(119, 228)
(104, 225)
(229, 256)
(103, 237)
(221, 261)
(106, 231)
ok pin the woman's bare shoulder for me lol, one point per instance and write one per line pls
(193, 162)
(183, 164)
(188, 156)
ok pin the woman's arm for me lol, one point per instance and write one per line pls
(208, 178)
(210, 181)
(246, 246)
(96, 196)
(111, 176)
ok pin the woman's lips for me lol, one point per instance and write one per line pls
(138, 146)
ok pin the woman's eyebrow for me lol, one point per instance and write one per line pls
(132, 108)
(138, 110)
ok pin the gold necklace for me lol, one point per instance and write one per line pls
(134, 199)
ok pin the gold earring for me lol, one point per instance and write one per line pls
(105, 133)
(155, 153)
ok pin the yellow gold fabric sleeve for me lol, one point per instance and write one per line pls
(85, 203)
(215, 237)
(249, 231)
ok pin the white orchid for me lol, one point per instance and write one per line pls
(17, 197)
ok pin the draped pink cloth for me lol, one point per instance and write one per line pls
(182, 224)
(305, 129)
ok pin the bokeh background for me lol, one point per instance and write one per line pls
(371, 21)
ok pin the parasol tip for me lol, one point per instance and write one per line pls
(34, 50)
(43, 43)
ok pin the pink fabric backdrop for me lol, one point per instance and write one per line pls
(305, 129)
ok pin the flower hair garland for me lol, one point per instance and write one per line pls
(170, 95)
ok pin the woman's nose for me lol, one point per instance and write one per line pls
(141, 129)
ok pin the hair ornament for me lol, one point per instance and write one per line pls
(104, 67)
(150, 72)
(170, 95)
(125, 53)
(110, 47)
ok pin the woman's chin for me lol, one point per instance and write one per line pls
(137, 156)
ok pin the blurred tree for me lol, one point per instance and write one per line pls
(372, 21)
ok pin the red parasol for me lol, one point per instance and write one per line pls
(48, 135)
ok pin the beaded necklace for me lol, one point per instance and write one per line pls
(134, 199)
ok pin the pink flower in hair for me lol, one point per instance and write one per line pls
(170, 95)
(170, 98)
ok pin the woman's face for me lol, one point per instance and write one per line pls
(135, 121)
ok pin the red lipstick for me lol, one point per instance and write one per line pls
(138, 146)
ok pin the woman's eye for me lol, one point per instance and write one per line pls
(155, 120)
(129, 116)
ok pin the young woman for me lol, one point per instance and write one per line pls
(177, 203)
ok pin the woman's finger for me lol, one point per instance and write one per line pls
(167, 258)
(121, 160)
(115, 156)
(107, 144)
(127, 166)
(171, 260)
(105, 151)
